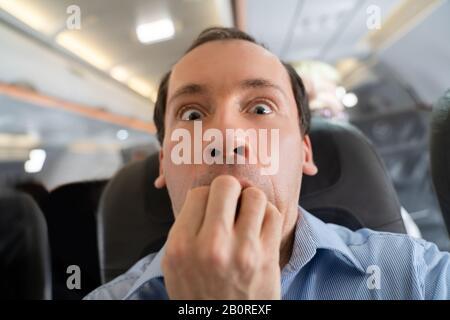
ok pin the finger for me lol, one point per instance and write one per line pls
(251, 213)
(193, 211)
(271, 231)
(222, 203)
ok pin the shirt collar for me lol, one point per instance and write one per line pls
(312, 234)
(153, 270)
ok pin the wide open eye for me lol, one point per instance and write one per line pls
(261, 108)
(191, 114)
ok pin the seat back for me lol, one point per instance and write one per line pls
(24, 249)
(440, 154)
(352, 187)
(134, 217)
(71, 217)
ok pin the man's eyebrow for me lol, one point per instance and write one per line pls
(189, 89)
(258, 83)
(194, 88)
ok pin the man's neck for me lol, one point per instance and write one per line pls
(287, 243)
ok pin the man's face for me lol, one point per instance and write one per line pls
(235, 84)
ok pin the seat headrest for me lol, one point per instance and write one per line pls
(24, 249)
(351, 189)
(440, 153)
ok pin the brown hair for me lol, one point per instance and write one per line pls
(220, 33)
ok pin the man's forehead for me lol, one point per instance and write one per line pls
(227, 60)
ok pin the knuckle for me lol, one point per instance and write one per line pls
(218, 258)
(214, 256)
(254, 194)
(226, 182)
(248, 260)
(177, 250)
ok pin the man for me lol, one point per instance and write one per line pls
(238, 233)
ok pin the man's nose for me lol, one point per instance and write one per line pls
(235, 147)
(232, 151)
(232, 148)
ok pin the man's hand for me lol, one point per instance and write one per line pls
(213, 252)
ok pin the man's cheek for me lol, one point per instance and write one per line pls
(178, 181)
(291, 150)
(269, 152)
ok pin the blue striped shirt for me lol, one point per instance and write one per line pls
(327, 262)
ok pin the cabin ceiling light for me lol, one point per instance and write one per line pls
(349, 100)
(155, 31)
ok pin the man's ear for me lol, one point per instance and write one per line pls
(160, 181)
(309, 167)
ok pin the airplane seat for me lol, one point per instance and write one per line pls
(24, 250)
(440, 154)
(352, 187)
(71, 217)
(134, 217)
(36, 190)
